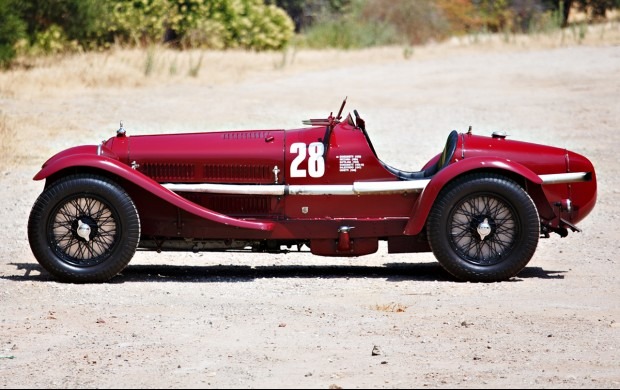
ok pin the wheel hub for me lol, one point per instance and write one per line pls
(484, 229)
(84, 228)
(483, 226)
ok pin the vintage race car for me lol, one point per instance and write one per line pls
(480, 205)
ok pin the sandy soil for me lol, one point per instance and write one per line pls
(297, 321)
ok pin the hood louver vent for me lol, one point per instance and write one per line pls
(164, 172)
(243, 173)
(246, 135)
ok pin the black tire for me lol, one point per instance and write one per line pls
(84, 229)
(483, 228)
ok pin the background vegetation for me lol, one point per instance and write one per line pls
(41, 27)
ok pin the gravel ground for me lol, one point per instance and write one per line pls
(228, 320)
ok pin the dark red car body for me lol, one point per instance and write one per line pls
(321, 186)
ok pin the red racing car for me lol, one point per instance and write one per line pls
(480, 205)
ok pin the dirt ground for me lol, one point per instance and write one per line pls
(241, 320)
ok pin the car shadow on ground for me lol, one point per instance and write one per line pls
(394, 272)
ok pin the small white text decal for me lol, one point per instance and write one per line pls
(350, 162)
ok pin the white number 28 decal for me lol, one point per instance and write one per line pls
(316, 164)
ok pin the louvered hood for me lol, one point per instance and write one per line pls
(248, 157)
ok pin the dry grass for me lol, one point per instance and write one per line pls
(134, 68)
(6, 133)
(390, 307)
(13, 131)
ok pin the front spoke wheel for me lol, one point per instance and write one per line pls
(84, 228)
(84, 231)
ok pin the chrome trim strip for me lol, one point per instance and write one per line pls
(358, 188)
(382, 187)
(227, 188)
(559, 178)
(321, 189)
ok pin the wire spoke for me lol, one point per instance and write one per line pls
(74, 248)
(472, 212)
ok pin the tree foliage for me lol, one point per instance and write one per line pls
(371, 22)
(52, 26)
(220, 24)
(60, 25)
(12, 29)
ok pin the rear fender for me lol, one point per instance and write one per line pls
(116, 168)
(423, 205)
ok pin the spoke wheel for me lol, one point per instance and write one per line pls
(83, 231)
(483, 228)
(84, 228)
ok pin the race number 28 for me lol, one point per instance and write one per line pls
(314, 153)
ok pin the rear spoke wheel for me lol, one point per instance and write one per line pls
(483, 228)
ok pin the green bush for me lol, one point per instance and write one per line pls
(416, 21)
(52, 41)
(350, 29)
(12, 30)
(349, 33)
(134, 22)
(380, 22)
(268, 27)
(47, 27)
(220, 24)
(75, 20)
